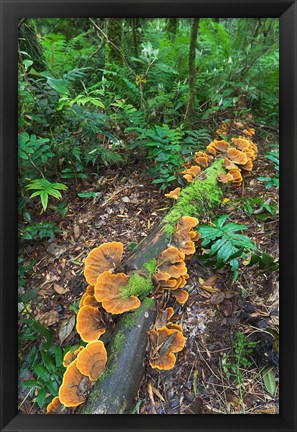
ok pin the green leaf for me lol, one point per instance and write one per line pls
(90, 194)
(220, 222)
(53, 387)
(40, 397)
(31, 383)
(41, 371)
(44, 199)
(268, 376)
(58, 356)
(58, 85)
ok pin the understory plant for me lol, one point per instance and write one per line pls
(234, 365)
(224, 244)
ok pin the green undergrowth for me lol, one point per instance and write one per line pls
(197, 198)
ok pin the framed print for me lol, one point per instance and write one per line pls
(148, 234)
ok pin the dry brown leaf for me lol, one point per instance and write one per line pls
(210, 289)
(48, 318)
(157, 393)
(59, 289)
(66, 328)
(217, 298)
(76, 231)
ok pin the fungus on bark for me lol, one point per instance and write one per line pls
(107, 291)
(189, 178)
(89, 324)
(174, 194)
(228, 165)
(248, 166)
(224, 178)
(89, 291)
(193, 171)
(55, 406)
(221, 146)
(186, 222)
(106, 257)
(90, 300)
(181, 296)
(250, 153)
(170, 312)
(241, 143)
(183, 241)
(237, 156)
(237, 177)
(92, 359)
(174, 326)
(171, 261)
(210, 149)
(75, 386)
(165, 343)
(249, 132)
(202, 161)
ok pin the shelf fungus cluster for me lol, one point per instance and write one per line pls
(239, 154)
(85, 364)
(83, 368)
(171, 275)
(166, 340)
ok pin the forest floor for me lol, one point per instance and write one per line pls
(126, 208)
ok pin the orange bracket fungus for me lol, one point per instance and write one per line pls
(75, 386)
(248, 166)
(221, 146)
(184, 243)
(70, 356)
(237, 156)
(165, 343)
(106, 257)
(186, 222)
(174, 326)
(88, 292)
(55, 406)
(224, 178)
(201, 159)
(107, 291)
(174, 194)
(228, 165)
(241, 143)
(92, 359)
(171, 261)
(89, 324)
(181, 296)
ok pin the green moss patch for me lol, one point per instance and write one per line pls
(197, 198)
(140, 284)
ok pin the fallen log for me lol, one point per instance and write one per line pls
(115, 391)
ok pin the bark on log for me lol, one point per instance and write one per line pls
(116, 391)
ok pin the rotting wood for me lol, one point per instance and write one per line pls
(116, 391)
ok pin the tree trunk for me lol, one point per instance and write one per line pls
(114, 34)
(115, 392)
(172, 25)
(192, 71)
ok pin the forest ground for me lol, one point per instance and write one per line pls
(126, 209)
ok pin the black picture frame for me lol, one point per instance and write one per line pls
(11, 11)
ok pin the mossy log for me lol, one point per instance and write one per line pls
(115, 391)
